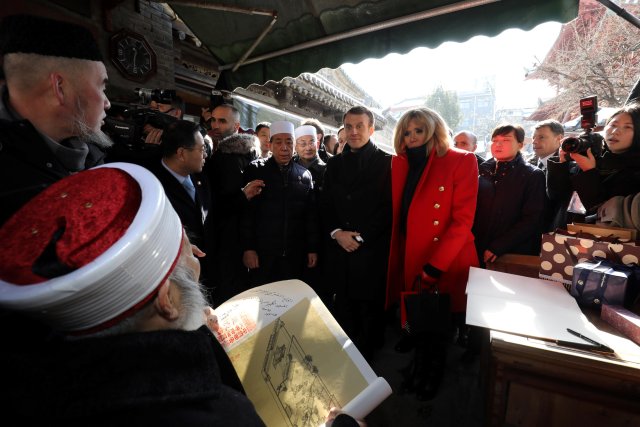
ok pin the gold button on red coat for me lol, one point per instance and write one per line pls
(436, 222)
(441, 188)
(437, 206)
(435, 239)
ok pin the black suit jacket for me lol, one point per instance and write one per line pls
(192, 214)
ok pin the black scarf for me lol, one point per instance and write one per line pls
(417, 158)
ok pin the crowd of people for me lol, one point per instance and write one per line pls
(217, 211)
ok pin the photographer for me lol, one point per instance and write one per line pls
(613, 172)
(52, 106)
(136, 129)
(166, 102)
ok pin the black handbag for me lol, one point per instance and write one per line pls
(425, 310)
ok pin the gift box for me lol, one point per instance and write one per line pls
(623, 320)
(560, 253)
(605, 233)
(601, 281)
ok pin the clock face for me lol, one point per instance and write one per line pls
(133, 56)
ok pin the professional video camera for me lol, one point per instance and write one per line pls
(125, 123)
(588, 139)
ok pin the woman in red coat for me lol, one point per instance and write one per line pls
(434, 189)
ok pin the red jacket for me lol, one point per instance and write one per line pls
(438, 224)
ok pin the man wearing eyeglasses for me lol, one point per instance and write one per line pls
(307, 154)
(183, 156)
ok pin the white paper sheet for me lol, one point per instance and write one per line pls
(526, 306)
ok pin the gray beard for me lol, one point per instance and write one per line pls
(194, 303)
(87, 135)
(193, 317)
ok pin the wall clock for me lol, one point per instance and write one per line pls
(132, 55)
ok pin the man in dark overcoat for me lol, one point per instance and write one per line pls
(230, 197)
(52, 106)
(279, 230)
(356, 206)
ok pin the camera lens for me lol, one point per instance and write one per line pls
(571, 145)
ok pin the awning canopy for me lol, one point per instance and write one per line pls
(253, 47)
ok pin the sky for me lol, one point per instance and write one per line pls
(461, 66)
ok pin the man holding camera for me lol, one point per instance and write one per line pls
(52, 108)
(145, 124)
(165, 102)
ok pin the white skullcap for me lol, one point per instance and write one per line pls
(282, 127)
(306, 130)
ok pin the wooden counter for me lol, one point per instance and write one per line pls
(533, 383)
(537, 383)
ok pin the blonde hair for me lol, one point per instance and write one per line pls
(435, 129)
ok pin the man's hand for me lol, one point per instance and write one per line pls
(211, 320)
(250, 259)
(334, 412)
(346, 240)
(154, 136)
(563, 155)
(253, 188)
(489, 256)
(197, 252)
(585, 163)
(312, 259)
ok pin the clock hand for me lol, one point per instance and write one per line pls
(135, 54)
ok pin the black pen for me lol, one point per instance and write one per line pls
(597, 345)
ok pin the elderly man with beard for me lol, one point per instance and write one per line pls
(52, 106)
(110, 271)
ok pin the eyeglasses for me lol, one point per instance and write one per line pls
(306, 144)
(200, 149)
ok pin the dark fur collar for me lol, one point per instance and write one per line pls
(240, 143)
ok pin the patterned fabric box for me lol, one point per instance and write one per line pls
(556, 262)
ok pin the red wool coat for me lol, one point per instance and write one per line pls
(438, 225)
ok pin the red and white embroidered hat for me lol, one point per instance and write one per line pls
(90, 249)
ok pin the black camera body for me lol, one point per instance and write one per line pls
(588, 139)
(125, 122)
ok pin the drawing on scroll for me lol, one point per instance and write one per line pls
(294, 381)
